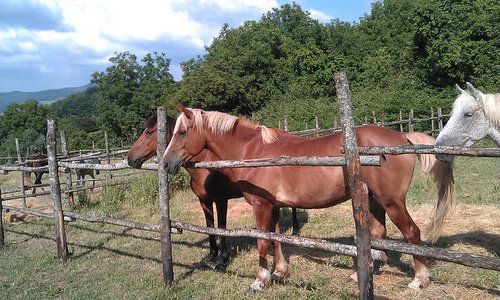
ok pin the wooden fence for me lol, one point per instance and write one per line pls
(166, 226)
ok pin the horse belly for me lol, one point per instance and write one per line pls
(311, 187)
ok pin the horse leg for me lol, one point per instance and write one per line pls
(295, 222)
(223, 258)
(401, 218)
(207, 206)
(281, 270)
(263, 212)
(38, 180)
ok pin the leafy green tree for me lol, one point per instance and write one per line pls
(128, 90)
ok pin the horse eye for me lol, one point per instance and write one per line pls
(182, 132)
(468, 114)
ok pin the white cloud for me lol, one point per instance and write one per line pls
(241, 5)
(320, 16)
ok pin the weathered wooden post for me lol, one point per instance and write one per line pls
(70, 198)
(359, 190)
(401, 121)
(374, 117)
(295, 220)
(23, 174)
(316, 122)
(366, 120)
(382, 120)
(2, 236)
(108, 157)
(433, 129)
(165, 234)
(55, 188)
(440, 119)
(410, 121)
(335, 124)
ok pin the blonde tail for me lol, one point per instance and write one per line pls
(443, 177)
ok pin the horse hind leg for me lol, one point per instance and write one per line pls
(281, 270)
(378, 230)
(411, 233)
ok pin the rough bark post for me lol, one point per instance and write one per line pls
(433, 129)
(410, 121)
(279, 124)
(440, 119)
(23, 174)
(108, 157)
(2, 236)
(374, 117)
(295, 220)
(165, 230)
(382, 120)
(70, 198)
(55, 188)
(359, 190)
(316, 122)
(335, 123)
(93, 145)
(401, 121)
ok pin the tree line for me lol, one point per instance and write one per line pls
(405, 54)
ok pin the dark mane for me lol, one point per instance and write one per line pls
(152, 120)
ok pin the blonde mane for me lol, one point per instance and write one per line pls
(222, 123)
(491, 107)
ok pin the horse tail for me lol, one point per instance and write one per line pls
(443, 177)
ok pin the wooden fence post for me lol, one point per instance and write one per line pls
(433, 129)
(55, 188)
(440, 119)
(359, 190)
(382, 120)
(69, 181)
(316, 122)
(410, 121)
(165, 230)
(108, 157)
(335, 123)
(285, 123)
(374, 117)
(20, 161)
(2, 240)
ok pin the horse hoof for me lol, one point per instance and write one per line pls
(416, 284)
(353, 278)
(256, 287)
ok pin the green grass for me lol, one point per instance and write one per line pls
(109, 262)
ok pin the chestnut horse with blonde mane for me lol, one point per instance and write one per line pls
(211, 187)
(267, 189)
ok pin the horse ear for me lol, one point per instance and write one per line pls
(188, 113)
(459, 89)
(473, 91)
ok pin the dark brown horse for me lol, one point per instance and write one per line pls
(267, 189)
(36, 161)
(209, 186)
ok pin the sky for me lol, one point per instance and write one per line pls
(47, 44)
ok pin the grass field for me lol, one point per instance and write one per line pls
(109, 262)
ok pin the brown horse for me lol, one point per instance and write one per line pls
(209, 186)
(267, 189)
(34, 162)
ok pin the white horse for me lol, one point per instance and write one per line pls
(474, 116)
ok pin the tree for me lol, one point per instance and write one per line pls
(128, 90)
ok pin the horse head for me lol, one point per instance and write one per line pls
(145, 146)
(467, 124)
(187, 139)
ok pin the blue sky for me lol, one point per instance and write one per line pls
(47, 44)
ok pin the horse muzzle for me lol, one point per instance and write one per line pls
(172, 165)
(134, 163)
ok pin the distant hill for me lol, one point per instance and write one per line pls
(45, 97)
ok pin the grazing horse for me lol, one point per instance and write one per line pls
(34, 162)
(266, 189)
(81, 173)
(474, 116)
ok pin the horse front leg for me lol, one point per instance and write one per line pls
(207, 206)
(263, 212)
(223, 258)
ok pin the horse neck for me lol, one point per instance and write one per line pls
(232, 145)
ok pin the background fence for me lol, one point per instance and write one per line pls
(166, 227)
